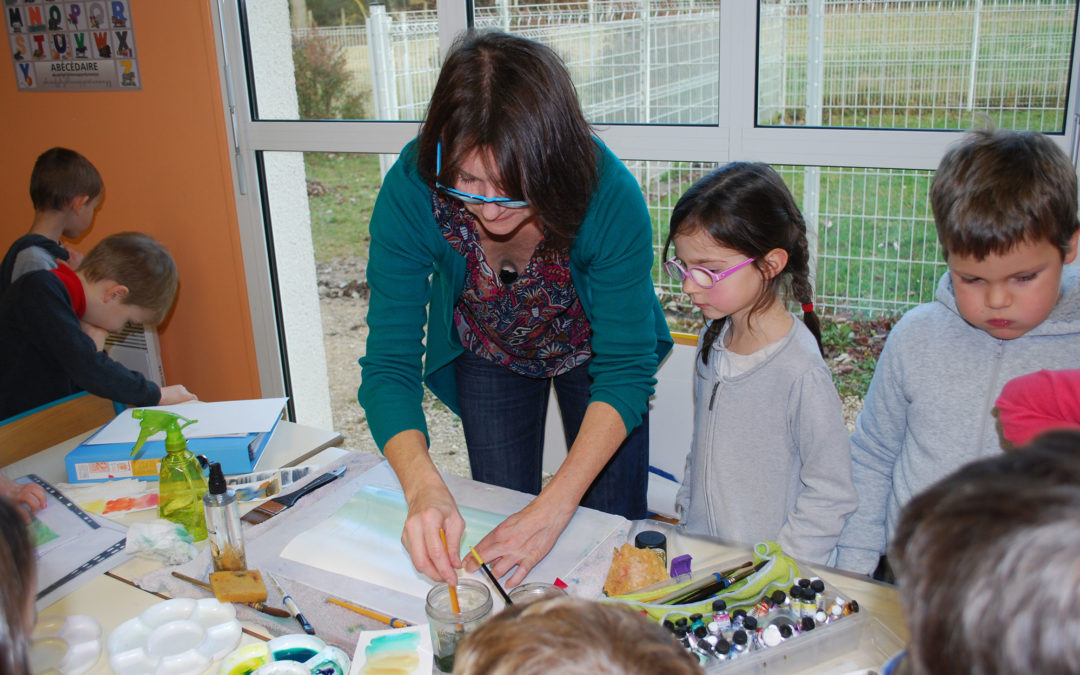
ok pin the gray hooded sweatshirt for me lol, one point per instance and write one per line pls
(929, 407)
(770, 458)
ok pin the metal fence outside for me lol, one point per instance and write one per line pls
(907, 64)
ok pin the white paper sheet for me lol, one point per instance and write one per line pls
(366, 533)
(400, 651)
(362, 539)
(221, 418)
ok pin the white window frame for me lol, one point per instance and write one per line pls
(734, 137)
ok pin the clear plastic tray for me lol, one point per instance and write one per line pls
(854, 644)
(851, 643)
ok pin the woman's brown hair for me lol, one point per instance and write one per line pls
(514, 97)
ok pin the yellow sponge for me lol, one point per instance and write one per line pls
(243, 586)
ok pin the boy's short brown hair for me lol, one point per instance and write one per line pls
(574, 637)
(139, 262)
(987, 561)
(61, 175)
(999, 188)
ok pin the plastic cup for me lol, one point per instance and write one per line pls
(448, 628)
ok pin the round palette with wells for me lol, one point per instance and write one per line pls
(287, 655)
(176, 636)
(68, 645)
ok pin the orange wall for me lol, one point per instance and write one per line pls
(163, 153)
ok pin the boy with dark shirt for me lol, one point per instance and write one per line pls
(53, 325)
(66, 190)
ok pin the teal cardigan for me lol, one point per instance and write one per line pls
(416, 279)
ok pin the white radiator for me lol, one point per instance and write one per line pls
(138, 348)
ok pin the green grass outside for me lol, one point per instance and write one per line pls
(865, 253)
(341, 194)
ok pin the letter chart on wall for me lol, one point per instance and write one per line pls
(72, 46)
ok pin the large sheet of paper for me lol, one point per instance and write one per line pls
(362, 538)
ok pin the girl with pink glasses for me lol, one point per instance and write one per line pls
(770, 458)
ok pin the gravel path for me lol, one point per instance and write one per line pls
(343, 302)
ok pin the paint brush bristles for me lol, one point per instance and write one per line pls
(454, 606)
(491, 576)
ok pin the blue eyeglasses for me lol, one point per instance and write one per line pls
(704, 278)
(470, 198)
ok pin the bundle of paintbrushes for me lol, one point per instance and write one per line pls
(739, 585)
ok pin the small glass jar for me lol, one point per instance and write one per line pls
(531, 592)
(653, 541)
(447, 628)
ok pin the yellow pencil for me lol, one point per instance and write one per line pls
(390, 621)
(452, 588)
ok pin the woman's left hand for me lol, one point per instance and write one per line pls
(524, 538)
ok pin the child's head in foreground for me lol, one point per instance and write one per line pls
(570, 635)
(63, 179)
(740, 213)
(17, 587)
(1005, 208)
(135, 277)
(988, 564)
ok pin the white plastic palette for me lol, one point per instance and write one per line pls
(69, 645)
(173, 637)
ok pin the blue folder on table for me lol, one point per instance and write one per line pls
(234, 433)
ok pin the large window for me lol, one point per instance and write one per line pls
(853, 102)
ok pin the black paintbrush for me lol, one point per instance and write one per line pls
(716, 587)
(491, 576)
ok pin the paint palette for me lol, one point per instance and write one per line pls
(175, 636)
(69, 645)
(287, 655)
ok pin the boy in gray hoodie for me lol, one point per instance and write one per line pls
(1005, 206)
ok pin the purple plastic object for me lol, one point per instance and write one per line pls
(680, 565)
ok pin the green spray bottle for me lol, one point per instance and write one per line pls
(181, 483)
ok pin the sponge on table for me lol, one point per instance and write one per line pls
(243, 586)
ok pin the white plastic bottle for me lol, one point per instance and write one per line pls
(223, 524)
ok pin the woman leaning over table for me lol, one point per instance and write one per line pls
(525, 246)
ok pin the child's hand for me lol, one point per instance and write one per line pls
(96, 333)
(176, 393)
(74, 258)
(30, 496)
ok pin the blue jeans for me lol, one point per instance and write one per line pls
(503, 416)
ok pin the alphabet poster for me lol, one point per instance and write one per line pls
(72, 46)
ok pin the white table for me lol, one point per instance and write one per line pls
(112, 598)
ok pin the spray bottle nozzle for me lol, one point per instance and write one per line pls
(217, 484)
(153, 421)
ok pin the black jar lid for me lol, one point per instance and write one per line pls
(650, 539)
